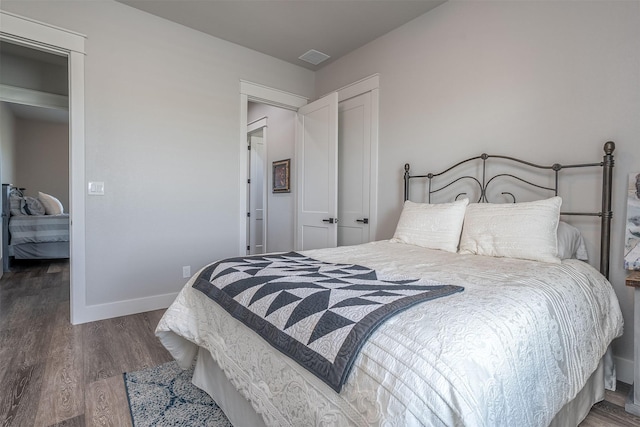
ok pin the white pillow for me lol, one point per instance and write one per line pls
(514, 230)
(436, 226)
(570, 243)
(52, 206)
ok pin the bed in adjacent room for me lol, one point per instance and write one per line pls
(33, 228)
(476, 314)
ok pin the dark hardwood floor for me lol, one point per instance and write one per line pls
(56, 374)
(53, 373)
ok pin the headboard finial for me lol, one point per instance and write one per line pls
(609, 146)
(406, 181)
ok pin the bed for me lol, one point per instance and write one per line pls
(505, 340)
(31, 234)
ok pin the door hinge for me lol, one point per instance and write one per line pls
(249, 181)
(248, 147)
(248, 214)
(248, 248)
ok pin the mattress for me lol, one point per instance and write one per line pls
(514, 348)
(39, 229)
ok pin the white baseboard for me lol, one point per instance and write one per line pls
(624, 369)
(91, 313)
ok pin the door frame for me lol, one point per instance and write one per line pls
(253, 92)
(261, 94)
(38, 35)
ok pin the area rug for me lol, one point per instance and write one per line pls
(164, 396)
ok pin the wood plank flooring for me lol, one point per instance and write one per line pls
(56, 374)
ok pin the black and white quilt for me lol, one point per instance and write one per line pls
(319, 314)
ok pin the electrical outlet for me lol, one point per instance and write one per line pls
(186, 271)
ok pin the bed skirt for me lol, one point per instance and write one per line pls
(574, 412)
(209, 377)
(45, 250)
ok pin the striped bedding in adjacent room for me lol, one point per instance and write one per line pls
(39, 228)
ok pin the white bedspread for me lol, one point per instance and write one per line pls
(511, 350)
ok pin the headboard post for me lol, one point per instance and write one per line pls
(406, 181)
(607, 215)
(6, 189)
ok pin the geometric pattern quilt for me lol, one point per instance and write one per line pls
(319, 314)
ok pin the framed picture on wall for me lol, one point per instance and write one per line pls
(632, 237)
(281, 174)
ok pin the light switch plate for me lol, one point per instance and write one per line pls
(96, 188)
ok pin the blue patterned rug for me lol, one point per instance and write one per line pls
(165, 396)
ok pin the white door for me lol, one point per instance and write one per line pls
(257, 226)
(354, 166)
(317, 176)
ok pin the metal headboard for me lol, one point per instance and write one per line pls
(7, 190)
(484, 181)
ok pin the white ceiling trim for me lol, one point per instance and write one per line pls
(266, 95)
(36, 34)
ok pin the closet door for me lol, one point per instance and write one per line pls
(317, 174)
(354, 169)
(257, 202)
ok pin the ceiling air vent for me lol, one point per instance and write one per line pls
(314, 57)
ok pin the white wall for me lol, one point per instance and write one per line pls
(7, 145)
(281, 141)
(42, 158)
(550, 81)
(162, 105)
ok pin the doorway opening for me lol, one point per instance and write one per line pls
(257, 188)
(35, 149)
(70, 46)
(259, 98)
(271, 212)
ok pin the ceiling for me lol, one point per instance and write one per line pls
(286, 29)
